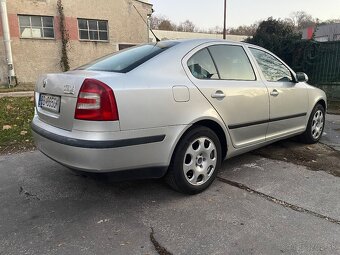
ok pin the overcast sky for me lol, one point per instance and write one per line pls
(209, 13)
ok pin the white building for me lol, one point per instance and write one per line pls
(173, 35)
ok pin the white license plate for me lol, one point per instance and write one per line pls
(49, 102)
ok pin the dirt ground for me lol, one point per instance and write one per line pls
(334, 107)
(316, 157)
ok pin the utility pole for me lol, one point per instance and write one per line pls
(7, 41)
(225, 20)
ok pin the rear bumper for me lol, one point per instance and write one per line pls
(107, 151)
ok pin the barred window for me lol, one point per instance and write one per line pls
(36, 26)
(93, 30)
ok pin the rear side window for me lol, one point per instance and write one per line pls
(202, 66)
(232, 62)
(272, 69)
(126, 60)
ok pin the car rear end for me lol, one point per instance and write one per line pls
(77, 121)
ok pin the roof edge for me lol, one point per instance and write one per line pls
(142, 2)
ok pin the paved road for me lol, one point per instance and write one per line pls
(264, 207)
(331, 134)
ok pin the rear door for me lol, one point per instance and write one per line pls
(225, 76)
(288, 99)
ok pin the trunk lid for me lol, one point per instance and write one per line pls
(56, 97)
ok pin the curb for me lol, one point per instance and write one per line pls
(17, 94)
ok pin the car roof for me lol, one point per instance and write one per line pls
(202, 40)
(199, 41)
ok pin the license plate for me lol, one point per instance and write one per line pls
(49, 102)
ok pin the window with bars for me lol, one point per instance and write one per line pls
(93, 30)
(36, 27)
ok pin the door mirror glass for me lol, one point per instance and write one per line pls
(301, 77)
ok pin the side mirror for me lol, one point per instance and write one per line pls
(301, 77)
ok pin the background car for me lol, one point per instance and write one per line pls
(173, 109)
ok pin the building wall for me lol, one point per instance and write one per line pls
(33, 57)
(173, 35)
(324, 33)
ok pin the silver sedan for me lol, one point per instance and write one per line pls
(174, 109)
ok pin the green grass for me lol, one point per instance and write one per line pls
(15, 117)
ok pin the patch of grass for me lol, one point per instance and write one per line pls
(15, 118)
(20, 87)
(334, 107)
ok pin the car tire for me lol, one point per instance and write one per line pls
(315, 126)
(195, 162)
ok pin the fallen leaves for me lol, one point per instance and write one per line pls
(24, 132)
(102, 221)
(6, 127)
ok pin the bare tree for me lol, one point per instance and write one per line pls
(186, 26)
(215, 30)
(166, 25)
(162, 23)
(244, 30)
(301, 20)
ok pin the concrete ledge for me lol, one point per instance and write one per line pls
(17, 94)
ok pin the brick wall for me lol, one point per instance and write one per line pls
(33, 57)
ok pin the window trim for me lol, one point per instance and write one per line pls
(42, 27)
(292, 73)
(98, 30)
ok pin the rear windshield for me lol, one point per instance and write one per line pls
(126, 60)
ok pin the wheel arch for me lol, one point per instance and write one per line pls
(218, 130)
(321, 102)
(214, 126)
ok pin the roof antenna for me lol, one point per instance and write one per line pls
(157, 39)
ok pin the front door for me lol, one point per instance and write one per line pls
(288, 99)
(224, 74)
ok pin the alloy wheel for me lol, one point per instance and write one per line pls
(317, 124)
(200, 161)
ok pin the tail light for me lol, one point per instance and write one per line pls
(96, 102)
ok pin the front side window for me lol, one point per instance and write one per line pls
(232, 62)
(36, 27)
(272, 69)
(93, 30)
(202, 66)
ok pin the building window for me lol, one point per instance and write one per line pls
(322, 38)
(337, 37)
(93, 30)
(36, 27)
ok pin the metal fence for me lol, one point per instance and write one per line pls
(321, 61)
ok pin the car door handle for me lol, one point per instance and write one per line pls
(274, 93)
(218, 95)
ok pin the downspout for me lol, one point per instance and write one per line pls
(7, 41)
